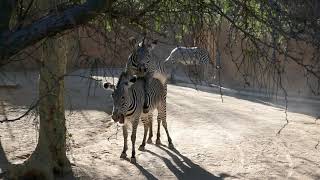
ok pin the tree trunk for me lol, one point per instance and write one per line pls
(52, 133)
(49, 158)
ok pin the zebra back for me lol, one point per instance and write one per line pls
(134, 94)
(189, 55)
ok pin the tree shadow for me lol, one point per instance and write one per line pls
(185, 168)
(30, 174)
(302, 105)
(4, 163)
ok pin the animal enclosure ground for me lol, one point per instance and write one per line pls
(235, 139)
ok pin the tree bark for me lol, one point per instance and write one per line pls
(49, 158)
(52, 135)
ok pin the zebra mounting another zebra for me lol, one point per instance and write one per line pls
(128, 99)
(148, 92)
(143, 62)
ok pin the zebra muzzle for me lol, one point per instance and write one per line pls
(118, 118)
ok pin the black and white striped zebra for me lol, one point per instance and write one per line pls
(196, 56)
(143, 62)
(128, 99)
(189, 55)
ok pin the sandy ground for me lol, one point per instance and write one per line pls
(236, 139)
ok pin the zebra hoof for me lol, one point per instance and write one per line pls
(141, 148)
(158, 142)
(133, 160)
(170, 146)
(149, 141)
(123, 155)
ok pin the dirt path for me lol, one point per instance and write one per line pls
(235, 139)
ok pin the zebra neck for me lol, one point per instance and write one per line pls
(132, 102)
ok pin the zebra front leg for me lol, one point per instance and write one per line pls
(141, 147)
(146, 104)
(173, 72)
(133, 139)
(150, 116)
(125, 138)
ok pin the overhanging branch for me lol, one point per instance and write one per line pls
(13, 42)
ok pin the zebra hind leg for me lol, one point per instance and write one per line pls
(162, 116)
(158, 141)
(150, 116)
(164, 124)
(146, 104)
(133, 140)
(172, 76)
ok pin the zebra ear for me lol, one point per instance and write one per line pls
(143, 42)
(108, 85)
(132, 42)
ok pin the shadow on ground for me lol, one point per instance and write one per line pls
(4, 163)
(182, 167)
(295, 106)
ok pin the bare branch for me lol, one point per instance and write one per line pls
(55, 22)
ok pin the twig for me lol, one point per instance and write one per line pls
(219, 74)
(286, 103)
(24, 114)
(114, 134)
(85, 77)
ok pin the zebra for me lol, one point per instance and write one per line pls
(143, 62)
(128, 99)
(190, 56)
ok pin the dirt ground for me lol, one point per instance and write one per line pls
(236, 139)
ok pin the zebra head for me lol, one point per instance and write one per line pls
(120, 96)
(141, 59)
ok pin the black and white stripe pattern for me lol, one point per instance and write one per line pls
(190, 56)
(143, 58)
(128, 103)
(143, 61)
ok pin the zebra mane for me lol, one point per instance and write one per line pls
(122, 76)
(125, 76)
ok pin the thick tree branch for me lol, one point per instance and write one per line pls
(13, 42)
